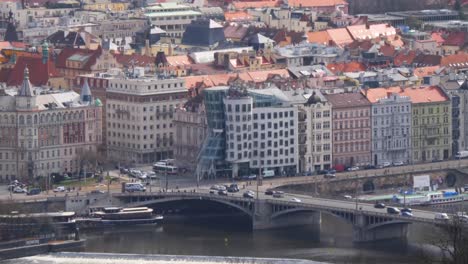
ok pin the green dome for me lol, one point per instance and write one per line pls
(97, 102)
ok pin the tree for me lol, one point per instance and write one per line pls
(452, 240)
(458, 7)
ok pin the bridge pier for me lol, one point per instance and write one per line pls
(262, 218)
(363, 232)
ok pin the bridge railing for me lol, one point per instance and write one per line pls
(180, 194)
(333, 208)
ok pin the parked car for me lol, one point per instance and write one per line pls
(353, 168)
(233, 188)
(297, 200)
(278, 194)
(330, 174)
(398, 163)
(18, 189)
(386, 164)
(59, 189)
(97, 192)
(248, 194)
(322, 172)
(379, 205)
(269, 192)
(393, 210)
(369, 167)
(407, 214)
(34, 191)
(222, 192)
(348, 197)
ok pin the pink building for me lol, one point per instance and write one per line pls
(351, 130)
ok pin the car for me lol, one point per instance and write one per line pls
(278, 194)
(398, 163)
(297, 200)
(252, 177)
(269, 192)
(393, 210)
(97, 192)
(386, 164)
(369, 167)
(379, 205)
(441, 216)
(407, 214)
(59, 189)
(248, 194)
(322, 172)
(233, 188)
(406, 209)
(215, 187)
(123, 170)
(353, 168)
(222, 192)
(18, 189)
(330, 174)
(213, 191)
(34, 191)
(152, 175)
(348, 197)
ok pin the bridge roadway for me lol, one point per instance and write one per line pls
(307, 203)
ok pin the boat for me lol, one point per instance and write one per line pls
(56, 220)
(432, 198)
(116, 216)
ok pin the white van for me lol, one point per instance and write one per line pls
(134, 187)
(268, 173)
(441, 216)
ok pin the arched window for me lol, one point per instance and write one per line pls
(29, 120)
(21, 120)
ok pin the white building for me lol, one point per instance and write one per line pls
(140, 117)
(261, 132)
(45, 133)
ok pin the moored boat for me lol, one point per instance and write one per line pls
(116, 216)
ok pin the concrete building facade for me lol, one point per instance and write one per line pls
(140, 111)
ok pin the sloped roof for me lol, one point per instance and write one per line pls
(134, 60)
(67, 52)
(321, 37)
(437, 36)
(39, 73)
(425, 71)
(455, 39)
(345, 100)
(235, 32)
(26, 88)
(404, 57)
(425, 94)
(340, 36)
(260, 39)
(427, 60)
(316, 3)
(459, 60)
(371, 31)
(256, 4)
(237, 16)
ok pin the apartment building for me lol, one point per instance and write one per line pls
(43, 133)
(140, 112)
(318, 112)
(391, 125)
(351, 129)
(171, 17)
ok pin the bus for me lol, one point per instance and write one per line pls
(162, 168)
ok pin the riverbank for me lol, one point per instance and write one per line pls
(110, 258)
(36, 247)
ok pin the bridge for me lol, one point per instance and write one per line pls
(369, 223)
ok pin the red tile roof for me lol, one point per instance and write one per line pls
(67, 52)
(316, 3)
(424, 94)
(371, 31)
(237, 16)
(353, 66)
(459, 60)
(321, 37)
(39, 73)
(437, 36)
(455, 39)
(340, 36)
(404, 57)
(134, 60)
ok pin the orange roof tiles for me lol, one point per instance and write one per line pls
(340, 36)
(456, 60)
(316, 3)
(181, 60)
(256, 4)
(455, 39)
(404, 58)
(237, 16)
(437, 36)
(321, 37)
(425, 94)
(371, 31)
(352, 66)
(425, 71)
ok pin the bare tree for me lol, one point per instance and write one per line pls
(451, 239)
